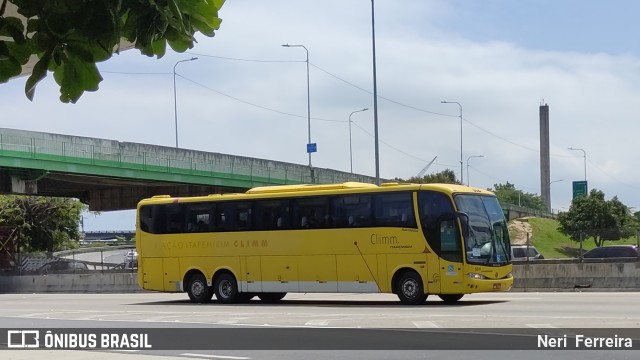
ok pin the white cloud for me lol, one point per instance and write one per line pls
(420, 62)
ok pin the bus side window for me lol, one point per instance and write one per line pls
(352, 211)
(220, 217)
(174, 223)
(271, 214)
(158, 219)
(394, 209)
(243, 217)
(310, 212)
(146, 218)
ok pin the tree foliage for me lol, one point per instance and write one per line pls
(508, 194)
(41, 223)
(444, 177)
(69, 37)
(594, 217)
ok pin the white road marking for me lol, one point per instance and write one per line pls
(215, 356)
(425, 324)
(317, 323)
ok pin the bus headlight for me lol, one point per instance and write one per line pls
(477, 276)
(508, 276)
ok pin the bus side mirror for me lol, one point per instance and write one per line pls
(464, 223)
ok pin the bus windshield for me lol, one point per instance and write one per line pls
(486, 235)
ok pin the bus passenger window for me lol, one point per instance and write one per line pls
(270, 214)
(394, 210)
(175, 224)
(220, 219)
(311, 212)
(310, 220)
(243, 219)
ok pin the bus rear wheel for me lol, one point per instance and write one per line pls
(226, 288)
(450, 298)
(198, 290)
(410, 289)
(272, 297)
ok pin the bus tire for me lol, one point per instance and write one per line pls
(410, 289)
(272, 297)
(450, 298)
(198, 290)
(226, 288)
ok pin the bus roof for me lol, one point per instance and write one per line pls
(309, 187)
(292, 190)
(455, 189)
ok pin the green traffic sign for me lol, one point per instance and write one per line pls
(579, 188)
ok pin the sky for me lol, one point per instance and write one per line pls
(247, 95)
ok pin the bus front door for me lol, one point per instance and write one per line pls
(451, 266)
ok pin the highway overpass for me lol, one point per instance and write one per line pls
(113, 175)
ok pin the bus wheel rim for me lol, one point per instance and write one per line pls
(197, 288)
(225, 289)
(410, 288)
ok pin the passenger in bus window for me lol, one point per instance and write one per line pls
(310, 220)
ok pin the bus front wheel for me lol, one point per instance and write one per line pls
(271, 297)
(226, 288)
(450, 298)
(410, 289)
(198, 290)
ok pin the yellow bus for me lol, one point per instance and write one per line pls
(412, 240)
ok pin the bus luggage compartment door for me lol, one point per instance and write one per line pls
(251, 276)
(152, 274)
(171, 274)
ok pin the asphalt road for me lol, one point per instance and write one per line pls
(543, 313)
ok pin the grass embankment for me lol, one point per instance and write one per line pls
(553, 244)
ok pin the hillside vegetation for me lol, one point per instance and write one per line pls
(554, 245)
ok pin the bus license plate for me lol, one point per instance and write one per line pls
(496, 286)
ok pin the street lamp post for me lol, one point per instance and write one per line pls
(472, 156)
(175, 97)
(375, 95)
(584, 155)
(350, 148)
(455, 102)
(551, 182)
(308, 99)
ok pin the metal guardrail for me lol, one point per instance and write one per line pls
(528, 211)
(76, 261)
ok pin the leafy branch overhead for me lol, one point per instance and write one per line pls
(68, 37)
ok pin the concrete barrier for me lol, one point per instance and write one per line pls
(80, 282)
(534, 275)
(576, 275)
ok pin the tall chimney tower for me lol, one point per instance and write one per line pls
(545, 167)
